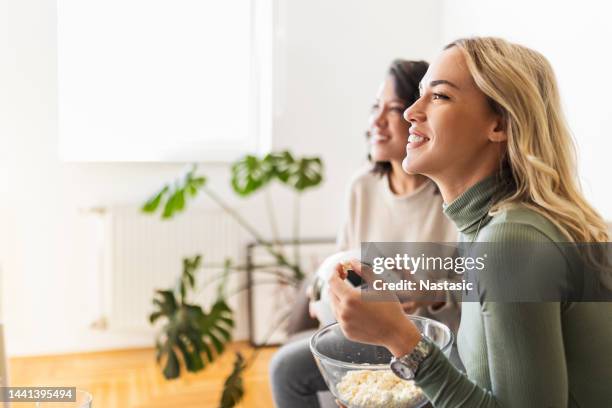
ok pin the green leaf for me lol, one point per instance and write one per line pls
(209, 353)
(165, 302)
(281, 164)
(195, 313)
(228, 321)
(159, 351)
(195, 338)
(217, 324)
(154, 316)
(191, 190)
(216, 342)
(249, 174)
(190, 334)
(233, 389)
(172, 369)
(305, 173)
(224, 333)
(198, 182)
(152, 204)
(182, 290)
(179, 202)
(190, 279)
(187, 279)
(193, 360)
(173, 196)
(184, 349)
(194, 185)
(169, 208)
(219, 309)
(194, 263)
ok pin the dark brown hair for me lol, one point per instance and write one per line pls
(405, 76)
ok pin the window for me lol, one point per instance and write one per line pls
(163, 80)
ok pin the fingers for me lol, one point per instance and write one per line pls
(335, 302)
(356, 265)
(333, 296)
(363, 270)
(409, 307)
(339, 293)
(340, 271)
(338, 287)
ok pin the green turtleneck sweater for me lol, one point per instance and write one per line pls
(553, 354)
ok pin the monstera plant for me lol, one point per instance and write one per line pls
(192, 336)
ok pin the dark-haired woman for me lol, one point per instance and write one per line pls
(385, 204)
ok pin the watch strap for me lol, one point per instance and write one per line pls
(421, 351)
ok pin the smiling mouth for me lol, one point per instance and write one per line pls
(415, 141)
(375, 139)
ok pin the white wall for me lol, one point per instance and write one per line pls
(575, 37)
(333, 55)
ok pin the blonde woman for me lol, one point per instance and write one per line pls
(488, 129)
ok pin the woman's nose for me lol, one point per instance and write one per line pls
(414, 113)
(378, 118)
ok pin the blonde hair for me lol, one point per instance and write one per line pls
(541, 160)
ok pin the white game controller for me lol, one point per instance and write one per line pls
(322, 304)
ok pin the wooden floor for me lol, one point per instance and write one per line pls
(131, 379)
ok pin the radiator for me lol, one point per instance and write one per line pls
(141, 253)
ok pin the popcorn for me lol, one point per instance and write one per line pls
(377, 389)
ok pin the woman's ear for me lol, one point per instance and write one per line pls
(499, 133)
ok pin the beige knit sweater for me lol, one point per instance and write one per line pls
(376, 214)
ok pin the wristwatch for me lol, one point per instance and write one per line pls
(407, 366)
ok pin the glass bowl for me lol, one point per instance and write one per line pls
(359, 375)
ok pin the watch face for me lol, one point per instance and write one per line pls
(401, 370)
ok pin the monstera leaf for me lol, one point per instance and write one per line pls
(189, 334)
(233, 389)
(251, 173)
(305, 173)
(173, 196)
(280, 164)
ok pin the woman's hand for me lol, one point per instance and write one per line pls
(374, 321)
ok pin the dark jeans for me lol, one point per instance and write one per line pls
(295, 377)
